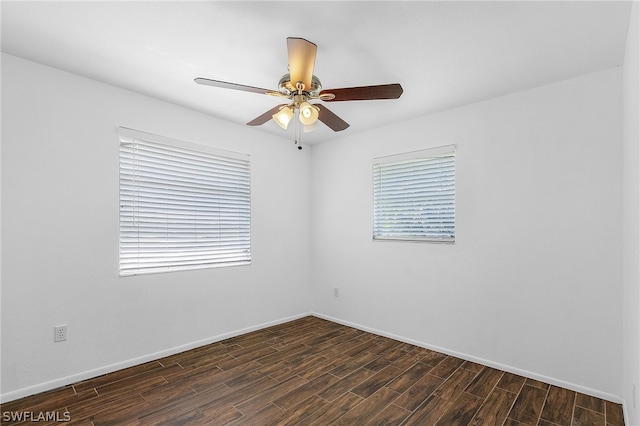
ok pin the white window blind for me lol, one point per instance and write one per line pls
(414, 196)
(181, 208)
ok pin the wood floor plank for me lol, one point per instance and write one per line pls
(256, 402)
(353, 364)
(495, 408)
(511, 382)
(79, 399)
(364, 412)
(584, 417)
(287, 401)
(403, 360)
(153, 412)
(613, 414)
(95, 413)
(429, 412)
(168, 391)
(377, 364)
(328, 336)
(204, 362)
(324, 365)
(267, 415)
(235, 397)
(255, 352)
(461, 411)
(396, 356)
(311, 371)
(360, 348)
(446, 368)
(332, 345)
(285, 353)
(186, 358)
(181, 373)
(528, 405)
(346, 384)
(301, 411)
(184, 415)
(244, 379)
(371, 385)
(391, 415)
(558, 408)
(330, 412)
(455, 384)
(214, 378)
(511, 422)
(279, 371)
(404, 381)
(348, 346)
(537, 384)
(416, 394)
(472, 366)
(130, 386)
(247, 339)
(431, 357)
(222, 416)
(486, 379)
(590, 402)
(383, 345)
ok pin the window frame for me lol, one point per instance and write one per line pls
(130, 264)
(446, 151)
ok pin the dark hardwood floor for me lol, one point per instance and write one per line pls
(313, 372)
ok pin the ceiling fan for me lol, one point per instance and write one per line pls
(300, 86)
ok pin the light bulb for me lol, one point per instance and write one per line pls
(308, 113)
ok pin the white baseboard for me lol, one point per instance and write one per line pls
(488, 363)
(626, 414)
(78, 377)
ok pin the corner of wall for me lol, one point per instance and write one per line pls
(631, 222)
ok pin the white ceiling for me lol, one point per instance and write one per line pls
(445, 54)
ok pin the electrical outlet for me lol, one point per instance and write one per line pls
(60, 333)
(336, 292)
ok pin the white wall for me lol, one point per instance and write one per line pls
(631, 221)
(533, 282)
(60, 234)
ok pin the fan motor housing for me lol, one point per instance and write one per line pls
(287, 87)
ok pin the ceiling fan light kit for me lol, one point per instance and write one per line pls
(300, 86)
(283, 117)
(308, 113)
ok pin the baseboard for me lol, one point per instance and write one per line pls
(488, 363)
(625, 412)
(78, 377)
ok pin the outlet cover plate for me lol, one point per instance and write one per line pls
(60, 333)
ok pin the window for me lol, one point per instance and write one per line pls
(182, 206)
(414, 196)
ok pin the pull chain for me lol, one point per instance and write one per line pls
(296, 111)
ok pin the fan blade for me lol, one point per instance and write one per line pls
(334, 122)
(234, 86)
(261, 119)
(365, 93)
(302, 60)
